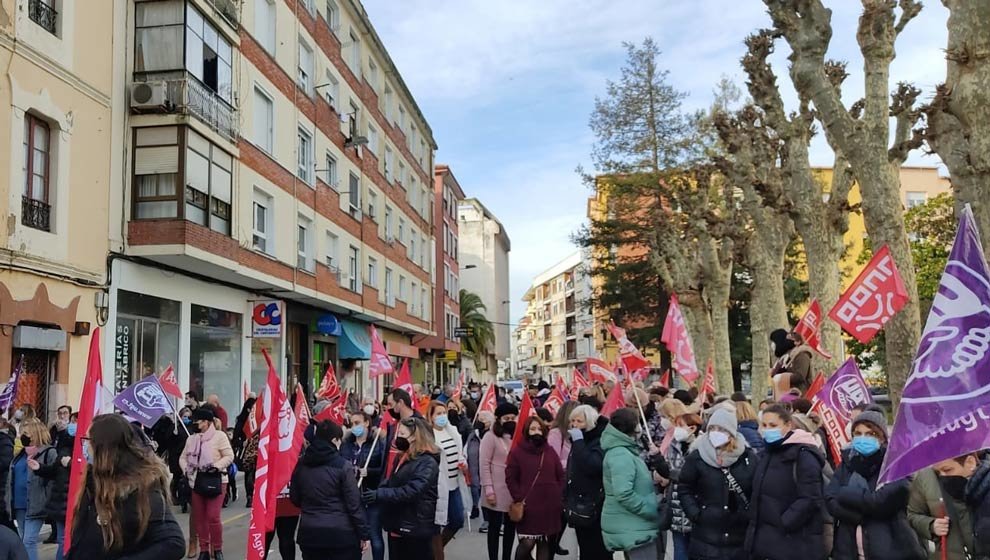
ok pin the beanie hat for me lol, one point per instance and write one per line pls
(725, 419)
(877, 419)
(505, 408)
(203, 413)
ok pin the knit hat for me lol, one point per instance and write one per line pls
(505, 408)
(203, 413)
(725, 419)
(877, 419)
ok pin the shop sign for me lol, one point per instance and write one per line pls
(266, 319)
(122, 355)
(328, 325)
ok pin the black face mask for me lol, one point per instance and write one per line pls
(454, 418)
(402, 444)
(955, 486)
(25, 440)
(393, 413)
(480, 426)
(508, 428)
(537, 439)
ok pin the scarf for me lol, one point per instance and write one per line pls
(719, 458)
(202, 455)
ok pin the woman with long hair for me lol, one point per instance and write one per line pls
(123, 510)
(57, 475)
(494, 454)
(409, 496)
(450, 504)
(206, 456)
(585, 492)
(535, 478)
(29, 491)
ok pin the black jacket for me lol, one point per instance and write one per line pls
(58, 477)
(324, 487)
(163, 540)
(788, 511)
(854, 501)
(584, 467)
(978, 503)
(409, 497)
(6, 457)
(11, 547)
(358, 456)
(718, 515)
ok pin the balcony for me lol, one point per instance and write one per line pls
(35, 214)
(43, 14)
(185, 94)
(228, 9)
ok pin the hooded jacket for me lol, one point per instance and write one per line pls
(978, 503)
(787, 504)
(629, 515)
(324, 487)
(409, 497)
(357, 455)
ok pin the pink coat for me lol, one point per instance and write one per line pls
(493, 455)
(561, 444)
(209, 449)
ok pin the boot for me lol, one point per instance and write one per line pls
(203, 556)
(217, 555)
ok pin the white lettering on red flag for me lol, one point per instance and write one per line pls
(632, 359)
(379, 363)
(875, 296)
(809, 327)
(600, 372)
(675, 336)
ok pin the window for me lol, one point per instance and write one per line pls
(402, 118)
(388, 223)
(389, 296)
(414, 305)
(412, 247)
(158, 36)
(304, 244)
(35, 208)
(209, 172)
(156, 173)
(264, 24)
(262, 235)
(332, 252)
(388, 164)
(208, 55)
(372, 74)
(264, 119)
(333, 16)
(305, 76)
(402, 231)
(308, 4)
(426, 303)
(387, 104)
(372, 272)
(354, 60)
(332, 90)
(401, 178)
(372, 139)
(354, 273)
(354, 192)
(330, 175)
(402, 288)
(422, 252)
(446, 279)
(372, 202)
(915, 198)
(305, 156)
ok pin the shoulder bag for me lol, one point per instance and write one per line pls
(518, 509)
(209, 482)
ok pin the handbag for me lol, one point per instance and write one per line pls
(582, 510)
(518, 509)
(209, 482)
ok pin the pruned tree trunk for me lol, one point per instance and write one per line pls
(959, 116)
(699, 324)
(717, 268)
(767, 311)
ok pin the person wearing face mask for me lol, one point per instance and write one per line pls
(57, 475)
(370, 409)
(472, 448)
(787, 518)
(870, 522)
(535, 478)
(207, 451)
(358, 450)
(559, 439)
(400, 407)
(592, 396)
(682, 435)
(493, 455)
(937, 507)
(409, 495)
(29, 491)
(715, 486)
(450, 505)
(585, 492)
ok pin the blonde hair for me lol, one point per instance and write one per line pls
(673, 409)
(34, 429)
(744, 411)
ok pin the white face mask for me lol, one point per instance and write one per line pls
(681, 433)
(369, 409)
(665, 423)
(718, 439)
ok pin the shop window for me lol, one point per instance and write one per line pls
(215, 354)
(146, 340)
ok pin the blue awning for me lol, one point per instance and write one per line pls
(354, 344)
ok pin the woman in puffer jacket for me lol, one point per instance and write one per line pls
(870, 523)
(716, 483)
(686, 428)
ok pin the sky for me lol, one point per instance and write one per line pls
(508, 88)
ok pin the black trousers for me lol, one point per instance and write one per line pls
(497, 521)
(410, 548)
(309, 553)
(590, 543)
(285, 528)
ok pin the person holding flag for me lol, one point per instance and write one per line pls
(494, 454)
(205, 460)
(364, 449)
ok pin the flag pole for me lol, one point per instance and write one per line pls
(642, 415)
(367, 461)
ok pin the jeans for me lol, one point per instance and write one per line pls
(31, 529)
(475, 497)
(647, 551)
(285, 527)
(681, 542)
(208, 525)
(373, 515)
(19, 515)
(455, 511)
(60, 527)
(496, 520)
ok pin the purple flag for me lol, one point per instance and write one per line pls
(9, 392)
(945, 407)
(845, 390)
(144, 401)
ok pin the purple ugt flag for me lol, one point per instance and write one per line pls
(9, 392)
(945, 407)
(144, 401)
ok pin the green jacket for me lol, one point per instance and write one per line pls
(629, 515)
(925, 505)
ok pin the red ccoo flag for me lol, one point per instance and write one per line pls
(708, 386)
(329, 388)
(600, 371)
(561, 386)
(263, 501)
(678, 342)
(578, 382)
(554, 401)
(489, 402)
(632, 359)
(526, 409)
(875, 296)
(169, 382)
(89, 407)
(809, 327)
(815, 386)
(404, 380)
(379, 363)
(460, 387)
(615, 401)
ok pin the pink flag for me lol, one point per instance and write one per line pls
(875, 296)
(380, 363)
(303, 415)
(809, 327)
(89, 407)
(600, 371)
(677, 340)
(708, 386)
(460, 386)
(561, 386)
(169, 382)
(632, 359)
(263, 501)
(577, 383)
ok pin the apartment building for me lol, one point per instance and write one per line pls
(557, 333)
(276, 196)
(483, 257)
(524, 357)
(57, 96)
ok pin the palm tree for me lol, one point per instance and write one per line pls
(473, 318)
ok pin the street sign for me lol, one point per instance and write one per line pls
(463, 332)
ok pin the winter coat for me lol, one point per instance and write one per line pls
(162, 540)
(787, 506)
(978, 502)
(57, 476)
(494, 453)
(629, 515)
(676, 456)
(444, 483)
(409, 497)
(534, 475)
(584, 469)
(855, 502)
(358, 456)
(211, 447)
(561, 444)
(324, 487)
(718, 515)
(925, 504)
(40, 488)
(797, 362)
(750, 430)
(6, 458)
(472, 448)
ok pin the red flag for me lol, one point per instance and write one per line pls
(89, 407)
(678, 341)
(336, 411)
(561, 386)
(875, 296)
(245, 390)
(600, 371)
(404, 379)
(329, 388)
(526, 409)
(303, 415)
(460, 386)
(708, 386)
(265, 490)
(490, 401)
(639, 375)
(809, 327)
(577, 383)
(380, 363)
(554, 401)
(665, 379)
(815, 386)
(632, 359)
(169, 383)
(615, 401)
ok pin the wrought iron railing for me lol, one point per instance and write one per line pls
(36, 214)
(189, 95)
(43, 14)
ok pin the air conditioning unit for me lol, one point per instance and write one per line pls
(148, 95)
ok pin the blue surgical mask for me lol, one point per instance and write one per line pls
(71, 429)
(772, 435)
(441, 421)
(358, 430)
(186, 420)
(85, 452)
(865, 445)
